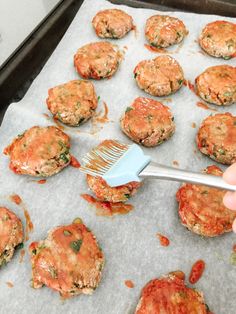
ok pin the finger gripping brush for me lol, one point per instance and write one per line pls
(119, 163)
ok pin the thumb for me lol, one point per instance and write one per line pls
(230, 174)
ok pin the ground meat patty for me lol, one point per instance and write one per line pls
(11, 234)
(147, 122)
(97, 60)
(201, 208)
(216, 138)
(217, 85)
(112, 23)
(169, 294)
(160, 76)
(69, 260)
(111, 194)
(218, 39)
(72, 103)
(163, 31)
(39, 151)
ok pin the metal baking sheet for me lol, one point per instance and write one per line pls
(129, 242)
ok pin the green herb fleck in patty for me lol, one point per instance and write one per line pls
(128, 109)
(75, 245)
(67, 233)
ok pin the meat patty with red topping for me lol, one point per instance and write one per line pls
(218, 39)
(106, 193)
(201, 208)
(216, 138)
(72, 103)
(169, 294)
(11, 234)
(163, 31)
(97, 60)
(217, 85)
(148, 122)
(39, 151)
(69, 260)
(161, 76)
(112, 23)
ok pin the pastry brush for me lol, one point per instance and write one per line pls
(119, 163)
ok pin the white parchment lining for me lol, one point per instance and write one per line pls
(129, 243)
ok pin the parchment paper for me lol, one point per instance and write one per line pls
(129, 242)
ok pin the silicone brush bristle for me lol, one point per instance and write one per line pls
(101, 158)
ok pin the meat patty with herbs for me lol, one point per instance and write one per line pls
(148, 122)
(97, 60)
(201, 208)
(69, 260)
(11, 234)
(163, 31)
(161, 76)
(39, 151)
(72, 103)
(169, 294)
(217, 85)
(216, 138)
(218, 39)
(106, 193)
(112, 23)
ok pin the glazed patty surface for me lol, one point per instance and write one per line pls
(218, 39)
(201, 208)
(11, 234)
(72, 103)
(217, 85)
(163, 31)
(148, 122)
(39, 151)
(112, 23)
(69, 260)
(169, 294)
(216, 138)
(161, 76)
(97, 60)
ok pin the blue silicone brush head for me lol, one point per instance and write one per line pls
(115, 162)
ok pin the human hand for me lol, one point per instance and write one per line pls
(230, 197)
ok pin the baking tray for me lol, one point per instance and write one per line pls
(154, 260)
(20, 69)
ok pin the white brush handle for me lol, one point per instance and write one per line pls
(155, 170)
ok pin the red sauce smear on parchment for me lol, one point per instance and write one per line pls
(43, 181)
(99, 118)
(136, 32)
(164, 241)
(189, 85)
(155, 49)
(175, 163)
(107, 208)
(22, 254)
(55, 120)
(129, 284)
(29, 225)
(9, 284)
(58, 124)
(16, 199)
(102, 118)
(234, 248)
(204, 106)
(196, 271)
(46, 116)
(74, 162)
